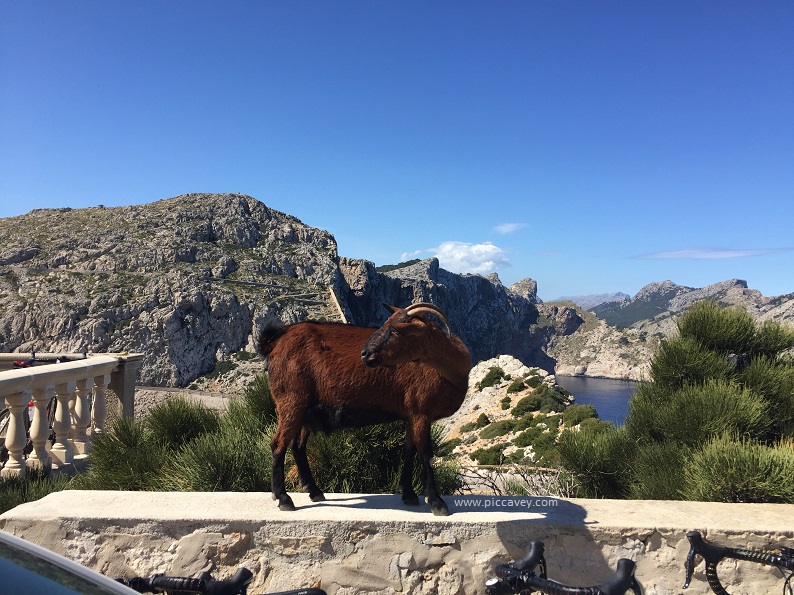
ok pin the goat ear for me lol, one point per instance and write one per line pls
(391, 309)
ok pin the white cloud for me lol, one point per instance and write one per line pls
(411, 255)
(506, 228)
(706, 254)
(461, 257)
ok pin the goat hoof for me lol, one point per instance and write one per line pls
(318, 497)
(285, 503)
(439, 509)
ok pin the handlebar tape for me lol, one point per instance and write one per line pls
(161, 583)
(308, 591)
(203, 584)
(621, 581)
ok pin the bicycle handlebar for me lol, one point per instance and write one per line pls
(712, 554)
(203, 584)
(520, 576)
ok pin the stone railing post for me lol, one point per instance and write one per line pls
(62, 452)
(122, 382)
(40, 428)
(81, 417)
(16, 436)
(99, 411)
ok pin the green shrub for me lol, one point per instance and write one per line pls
(596, 425)
(657, 471)
(516, 386)
(493, 455)
(533, 381)
(576, 414)
(720, 330)
(545, 450)
(222, 367)
(493, 377)
(33, 486)
(177, 421)
(525, 421)
(125, 457)
(695, 413)
(552, 421)
(684, 361)
(225, 460)
(772, 338)
(774, 381)
(498, 428)
(526, 405)
(482, 421)
(453, 443)
(468, 427)
(505, 403)
(599, 460)
(258, 399)
(730, 469)
(551, 401)
(527, 437)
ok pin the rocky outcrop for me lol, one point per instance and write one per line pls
(620, 340)
(489, 317)
(182, 280)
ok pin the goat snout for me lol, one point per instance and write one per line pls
(368, 357)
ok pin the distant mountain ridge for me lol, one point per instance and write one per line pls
(659, 302)
(588, 302)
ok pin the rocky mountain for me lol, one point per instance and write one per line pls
(187, 280)
(588, 302)
(619, 337)
(656, 305)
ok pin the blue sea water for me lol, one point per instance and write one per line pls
(610, 397)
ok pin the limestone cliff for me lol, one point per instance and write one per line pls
(186, 281)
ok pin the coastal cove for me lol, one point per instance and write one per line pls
(609, 396)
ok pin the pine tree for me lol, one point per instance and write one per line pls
(715, 422)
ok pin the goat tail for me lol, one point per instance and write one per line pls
(269, 333)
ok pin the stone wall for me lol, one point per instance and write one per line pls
(355, 544)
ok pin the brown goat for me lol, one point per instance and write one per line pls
(325, 376)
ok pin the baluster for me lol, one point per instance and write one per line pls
(100, 409)
(40, 429)
(82, 417)
(62, 452)
(16, 438)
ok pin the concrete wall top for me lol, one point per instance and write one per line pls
(355, 544)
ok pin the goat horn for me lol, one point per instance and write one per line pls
(425, 308)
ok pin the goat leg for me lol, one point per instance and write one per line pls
(304, 470)
(437, 506)
(277, 480)
(421, 436)
(407, 477)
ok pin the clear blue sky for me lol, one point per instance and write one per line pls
(593, 146)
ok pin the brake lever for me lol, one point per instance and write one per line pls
(690, 565)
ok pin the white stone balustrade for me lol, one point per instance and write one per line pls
(72, 383)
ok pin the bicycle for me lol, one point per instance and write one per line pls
(713, 554)
(204, 584)
(519, 578)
